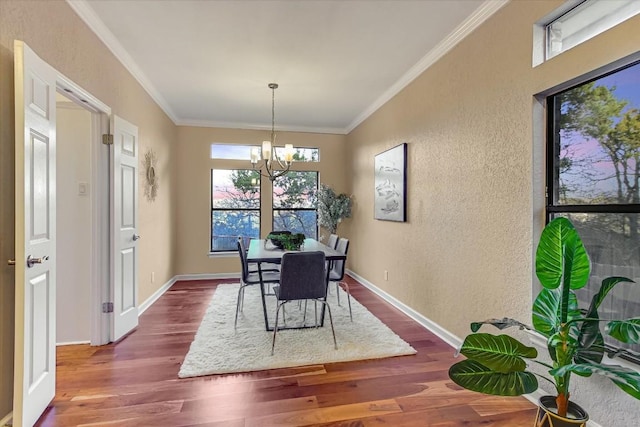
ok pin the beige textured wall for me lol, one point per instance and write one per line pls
(193, 166)
(59, 37)
(466, 251)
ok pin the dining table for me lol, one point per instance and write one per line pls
(263, 251)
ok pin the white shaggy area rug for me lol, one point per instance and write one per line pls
(218, 348)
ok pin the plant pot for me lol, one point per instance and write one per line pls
(547, 416)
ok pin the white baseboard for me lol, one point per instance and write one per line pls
(58, 344)
(154, 297)
(7, 420)
(207, 276)
(432, 326)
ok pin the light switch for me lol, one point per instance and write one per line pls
(83, 188)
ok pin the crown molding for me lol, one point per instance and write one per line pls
(86, 13)
(253, 126)
(484, 12)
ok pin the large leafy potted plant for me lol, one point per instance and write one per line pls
(496, 364)
(332, 208)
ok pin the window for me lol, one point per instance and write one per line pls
(235, 207)
(593, 178)
(231, 151)
(301, 154)
(576, 22)
(295, 203)
(223, 151)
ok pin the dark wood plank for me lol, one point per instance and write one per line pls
(135, 382)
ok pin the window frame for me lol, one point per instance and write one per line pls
(213, 209)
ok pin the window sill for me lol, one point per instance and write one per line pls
(226, 254)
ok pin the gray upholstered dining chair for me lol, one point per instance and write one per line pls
(333, 241)
(250, 277)
(302, 277)
(337, 272)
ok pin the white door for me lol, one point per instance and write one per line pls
(35, 239)
(124, 202)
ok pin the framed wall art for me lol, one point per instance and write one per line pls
(390, 176)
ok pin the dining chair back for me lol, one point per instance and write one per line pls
(333, 241)
(302, 277)
(337, 273)
(251, 277)
(242, 251)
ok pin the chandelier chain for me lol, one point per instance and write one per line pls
(273, 113)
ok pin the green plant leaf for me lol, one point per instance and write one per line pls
(501, 324)
(473, 375)
(592, 353)
(627, 331)
(627, 379)
(546, 311)
(561, 257)
(607, 284)
(500, 353)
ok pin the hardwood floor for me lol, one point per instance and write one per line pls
(135, 382)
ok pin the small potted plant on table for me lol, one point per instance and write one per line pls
(287, 241)
(496, 364)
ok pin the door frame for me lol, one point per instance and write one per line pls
(100, 211)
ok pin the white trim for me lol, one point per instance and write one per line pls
(154, 297)
(481, 14)
(254, 126)
(86, 13)
(432, 326)
(7, 420)
(207, 276)
(73, 91)
(60, 344)
(100, 322)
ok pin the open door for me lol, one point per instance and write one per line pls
(35, 236)
(124, 218)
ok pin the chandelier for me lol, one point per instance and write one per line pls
(269, 150)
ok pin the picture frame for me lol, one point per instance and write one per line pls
(390, 184)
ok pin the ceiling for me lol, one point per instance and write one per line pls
(208, 62)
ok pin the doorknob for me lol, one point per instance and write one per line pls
(136, 237)
(31, 261)
(11, 261)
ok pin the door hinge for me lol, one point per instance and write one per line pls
(107, 307)
(107, 139)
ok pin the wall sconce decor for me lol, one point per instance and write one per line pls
(150, 175)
